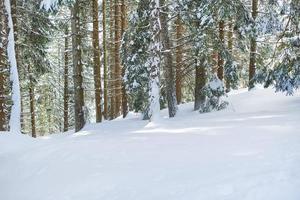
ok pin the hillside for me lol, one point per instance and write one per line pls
(250, 151)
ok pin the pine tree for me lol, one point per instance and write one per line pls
(15, 115)
(32, 102)
(66, 80)
(135, 56)
(97, 66)
(253, 46)
(77, 64)
(179, 59)
(124, 93)
(168, 64)
(154, 60)
(285, 73)
(105, 66)
(3, 69)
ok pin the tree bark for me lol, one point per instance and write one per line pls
(169, 67)
(253, 46)
(3, 68)
(105, 71)
(118, 92)
(77, 68)
(66, 81)
(97, 66)
(179, 59)
(112, 60)
(155, 61)
(220, 59)
(124, 95)
(14, 11)
(230, 49)
(200, 81)
(32, 103)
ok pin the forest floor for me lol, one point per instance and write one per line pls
(250, 151)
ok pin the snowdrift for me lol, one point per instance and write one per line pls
(250, 151)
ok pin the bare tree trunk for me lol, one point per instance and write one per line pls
(3, 68)
(112, 60)
(14, 11)
(169, 67)
(32, 103)
(200, 81)
(124, 95)
(97, 66)
(77, 68)
(66, 82)
(220, 59)
(3, 119)
(253, 46)
(118, 93)
(155, 61)
(230, 48)
(105, 71)
(179, 59)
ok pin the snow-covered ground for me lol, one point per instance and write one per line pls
(250, 151)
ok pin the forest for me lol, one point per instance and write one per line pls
(88, 61)
(149, 99)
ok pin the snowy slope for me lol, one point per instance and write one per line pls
(251, 151)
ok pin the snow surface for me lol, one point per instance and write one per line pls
(250, 151)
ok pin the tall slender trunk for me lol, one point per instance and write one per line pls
(14, 11)
(97, 66)
(155, 61)
(179, 59)
(15, 116)
(66, 81)
(3, 119)
(200, 81)
(32, 103)
(111, 61)
(124, 95)
(220, 59)
(77, 68)
(230, 49)
(105, 71)
(253, 46)
(3, 68)
(118, 93)
(169, 67)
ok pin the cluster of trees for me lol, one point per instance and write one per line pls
(96, 60)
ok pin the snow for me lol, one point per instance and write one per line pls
(49, 4)
(250, 151)
(15, 117)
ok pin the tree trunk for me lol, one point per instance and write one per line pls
(230, 49)
(77, 68)
(179, 59)
(3, 68)
(97, 66)
(124, 95)
(155, 60)
(32, 102)
(105, 71)
(169, 68)
(15, 115)
(112, 60)
(253, 46)
(200, 81)
(118, 93)
(14, 11)
(66, 82)
(220, 59)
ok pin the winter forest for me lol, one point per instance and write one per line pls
(149, 99)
